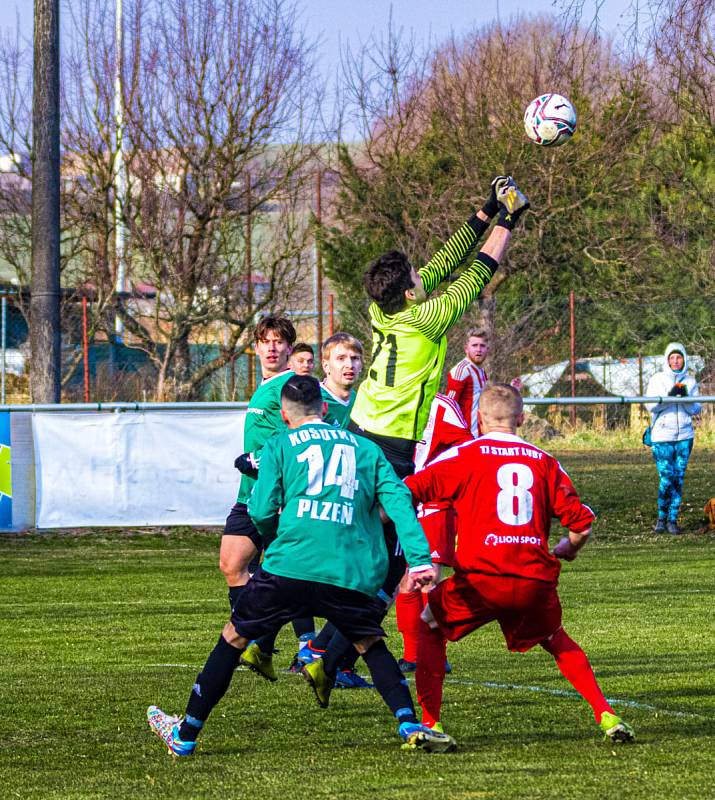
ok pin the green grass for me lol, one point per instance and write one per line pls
(96, 627)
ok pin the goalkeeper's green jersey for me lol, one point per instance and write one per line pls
(409, 347)
(263, 419)
(318, 493)
(338, 413)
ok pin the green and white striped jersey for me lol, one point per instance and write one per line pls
(409, 347)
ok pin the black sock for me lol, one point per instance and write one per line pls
(348, 660)
(322, 640)
(234, 593)
(211, 685)
(303, 626)
(267, 643)
(335, 652)
(390, 682)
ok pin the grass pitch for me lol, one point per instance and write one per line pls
(96, 627)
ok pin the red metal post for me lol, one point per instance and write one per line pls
(85, 349)
(249, 287)
(319, 258)
(573, 354)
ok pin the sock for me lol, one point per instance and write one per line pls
(390, 682)
(211, 685)
(234, 593)
(408, 607)
(322, 640)
(304, 627)
(429, 676)
(337, 650)
(575, 667)
(349, 659)
(267, 643)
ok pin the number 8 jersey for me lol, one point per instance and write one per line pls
(505, 492)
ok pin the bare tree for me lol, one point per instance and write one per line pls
(219, 99)
(219, 132)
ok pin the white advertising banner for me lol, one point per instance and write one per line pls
(136, 468)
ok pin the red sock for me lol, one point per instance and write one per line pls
(575, 667)
(429, 677)
(408, 607)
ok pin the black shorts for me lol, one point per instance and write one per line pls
(270, 601)
(399, 452)
(238, 523)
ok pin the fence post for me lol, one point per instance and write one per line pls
(318, 258)
(641, 407)
(4, 344)
(85, 349)
(572, 316)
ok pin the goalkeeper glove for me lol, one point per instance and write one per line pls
(491, 204)
(248, 464)
(513, 204)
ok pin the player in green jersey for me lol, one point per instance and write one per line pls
(273, 340)
(318, 493)
(342, 357)
(342, 360)
(409, 330)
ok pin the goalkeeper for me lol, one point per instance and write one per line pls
(409, 348)
(409, 330)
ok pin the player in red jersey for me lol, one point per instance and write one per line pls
(505, 492)
(446, 427)
(467, 377)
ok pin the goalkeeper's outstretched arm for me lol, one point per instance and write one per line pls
(458, 247)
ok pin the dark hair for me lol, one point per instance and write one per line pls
(280, 325)
(387, 279)
(302, 347)
(302, 392)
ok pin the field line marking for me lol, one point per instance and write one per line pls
(522, 688)
(616, 701)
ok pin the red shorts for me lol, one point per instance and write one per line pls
(439, 527)
(528, 611)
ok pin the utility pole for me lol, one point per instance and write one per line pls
(45, 340)
(120, 183)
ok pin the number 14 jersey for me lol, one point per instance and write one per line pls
(505, 492)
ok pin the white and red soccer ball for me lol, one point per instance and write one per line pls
(550, 120)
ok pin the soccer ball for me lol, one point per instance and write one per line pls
(550, 120)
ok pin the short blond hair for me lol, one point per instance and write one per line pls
(477, 332)
(501, 403)
(341, 337)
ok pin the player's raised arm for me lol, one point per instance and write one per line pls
(436, 316)
(266, 499)
(454, 251)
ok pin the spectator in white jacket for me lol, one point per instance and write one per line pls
(672, 432)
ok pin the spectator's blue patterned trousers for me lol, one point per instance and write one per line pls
(671, 460)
